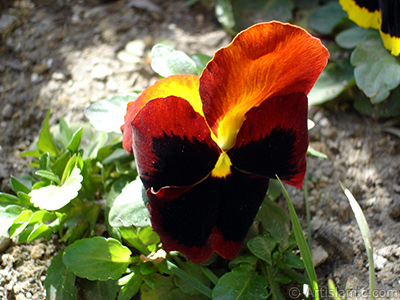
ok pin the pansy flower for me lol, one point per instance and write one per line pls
(206, 147)
(378, 14)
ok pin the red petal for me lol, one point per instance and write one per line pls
(212, 216)
(274, 139)
(172, 144)
(183, 86)
(266, 60)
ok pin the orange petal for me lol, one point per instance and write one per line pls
(183, 86)
(266, 60)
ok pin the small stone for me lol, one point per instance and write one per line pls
(7, 23)
(112, 85)
(100, 72)
(38, 251)
(379, 262)
(4, 242)
(136, 47)
(7, 111)
(319, 255)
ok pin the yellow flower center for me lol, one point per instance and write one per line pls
(222, 167)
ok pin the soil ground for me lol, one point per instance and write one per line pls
(63, 55)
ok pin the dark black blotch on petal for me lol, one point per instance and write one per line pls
(268, 155)
(228, 204)
(180, 161)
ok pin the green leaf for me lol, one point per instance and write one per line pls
(38, 231)
(302, 244)
(7, 216)
(195, 271)
(65, 132)
(9, 199)
(167, 61)
(48, 175)
(201, 61)
(316, 153)
(59, 282)
(108, 115)
(131, 287)
(55, 197)
(18, 186)
(148, 236)
(129, 207)
(376, 70)
(45, 142)
(75, 140)
(262, 247)
(194, 282)
(243, 259)
(275, 220)
(224, 13)
(99, 290)
(334, 79)
(130, 235)
(388, 108)
(242, 283)
(292, 260)
(326, 18)
(177, 294)
(97, 258)
(60, 164)
(349, 38)
(366, 235)
(163, 285)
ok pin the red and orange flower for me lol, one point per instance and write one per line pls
(206, 146)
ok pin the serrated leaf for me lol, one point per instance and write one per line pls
(262, 247)
(59, 282)
(334, 79)
(55, 197)
(99, 290)
(275, 221)
(240, 284)
(108, 115)
(167, 61)
(45, 142)
(292, 260)
(327, 17)
(129, 207)
(7, 216)
(376, 70)
(243, 259)
(97, 258)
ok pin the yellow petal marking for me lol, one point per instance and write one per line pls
(222, 167)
